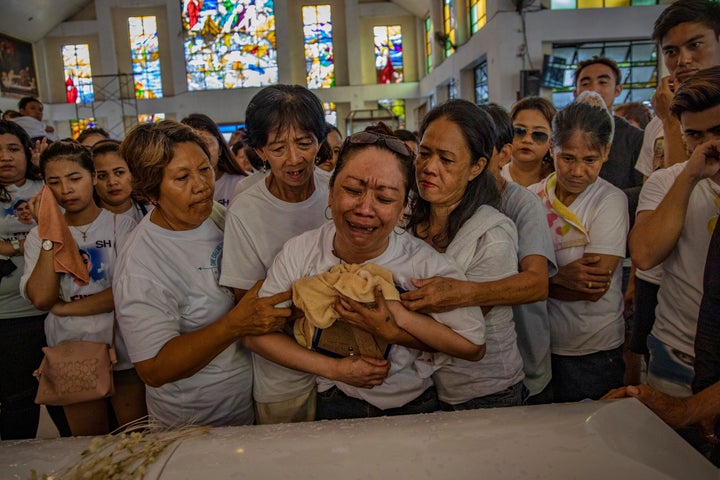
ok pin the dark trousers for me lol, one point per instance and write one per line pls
(333, 404)
(644, 316)
(576, 378)
(21, 343)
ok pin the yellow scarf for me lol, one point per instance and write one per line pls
(565, 227)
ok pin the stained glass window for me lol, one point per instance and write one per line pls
(478, 15)
(482, 94)
(317, 31)
(428, 45)
(572, 4)
(150, 117)
(229, 43)
(449, 26)
(388, 53)
(77, 126)
(78, 75)
(145, 52)
(637, 60)
(330, 112)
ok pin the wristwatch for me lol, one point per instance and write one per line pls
(47, 245)
(16, 245)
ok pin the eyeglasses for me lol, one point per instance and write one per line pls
(537, 137)
(393, 143)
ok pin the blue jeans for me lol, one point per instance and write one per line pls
(576, 378)
(669, 370)
(333, 404)
(514, 396)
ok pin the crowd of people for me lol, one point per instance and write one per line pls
(493, 259)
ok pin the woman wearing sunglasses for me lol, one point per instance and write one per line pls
(368, 195)
(588, 221)
(456, 213)
(531, 157)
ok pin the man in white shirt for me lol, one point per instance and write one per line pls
(677, 214)
(31, 110)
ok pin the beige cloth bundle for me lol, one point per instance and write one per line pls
(316, 295)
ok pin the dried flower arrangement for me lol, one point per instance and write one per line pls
(123, 456)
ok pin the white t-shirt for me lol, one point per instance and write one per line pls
(531, 319)
(247, 182)
(505, 172)
(681, 287)
(485, 249)
(225, 188)
(584, 327)
(12, 304)
(257, 225)
(166, 285)
(101, 236)
(406, 257)
(645, 162)
(646, 165)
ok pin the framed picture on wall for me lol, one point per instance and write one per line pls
(17, 68)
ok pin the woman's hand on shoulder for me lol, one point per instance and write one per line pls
(257, 316)
(435, 295)
(361, 372)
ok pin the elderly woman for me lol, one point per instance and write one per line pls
(588, 221)
(285, 126)
(180, 326)
(368, 195)
(456, 213)
(531, 156)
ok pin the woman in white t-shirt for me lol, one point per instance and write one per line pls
(181, 327)
(227, 172)
(457, 213)
(368, 195)
(588, 221)
(113, 189)
(81, 311)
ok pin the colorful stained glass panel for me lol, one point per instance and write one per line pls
(229, 43)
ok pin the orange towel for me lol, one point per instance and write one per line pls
(52, 226)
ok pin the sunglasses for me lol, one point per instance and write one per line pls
(537, 137)
(368, 138)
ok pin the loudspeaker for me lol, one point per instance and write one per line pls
(530, 83)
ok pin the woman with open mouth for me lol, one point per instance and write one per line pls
(285, 127)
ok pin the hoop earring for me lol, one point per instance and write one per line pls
(402, 230)
(328, 216)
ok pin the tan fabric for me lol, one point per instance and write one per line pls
(298, 409)
(315, 295)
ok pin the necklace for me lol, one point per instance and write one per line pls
(159, 210)
(83, 232)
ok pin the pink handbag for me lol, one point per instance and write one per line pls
(75, 371)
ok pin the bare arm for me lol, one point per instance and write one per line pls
(441, 294)
(358, 371)
(43, 286)
(186, 354)
(656, 232)
(585, 279)
(676, 412)
(393, 322)
(101, 302)
(675, 151)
